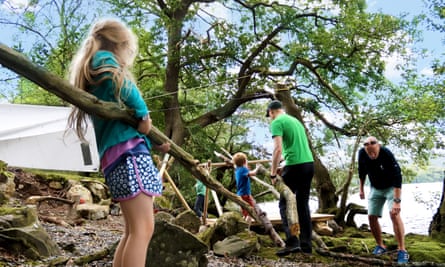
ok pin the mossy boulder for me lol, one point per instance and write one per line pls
(174, 246)
(188, 220)
(22, 233)
(7, 185)
(240, 245)
(230, 223)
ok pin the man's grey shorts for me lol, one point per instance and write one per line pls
(377, 199)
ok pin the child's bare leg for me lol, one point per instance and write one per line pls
(139, 220)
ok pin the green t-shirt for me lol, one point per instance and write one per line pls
(295, 144)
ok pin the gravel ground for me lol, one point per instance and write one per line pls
(94, 236)
(89, 237)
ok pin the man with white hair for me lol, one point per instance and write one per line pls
(379, 164)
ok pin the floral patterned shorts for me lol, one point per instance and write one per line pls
(132, 175)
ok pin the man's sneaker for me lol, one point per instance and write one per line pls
(402, 257)
(378, 250)
(288, 250)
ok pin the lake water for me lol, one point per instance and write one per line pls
(419, 204)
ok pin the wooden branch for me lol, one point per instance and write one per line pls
(206, 207)
(164, 165)
(352, 257)
(178, 193)
(36, 199)
(55, 220)
(108, 110)
(268, 186)
(223, 164)
(219, 208)
(163, 173)
(291, 206)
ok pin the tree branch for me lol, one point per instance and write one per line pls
(92, 105)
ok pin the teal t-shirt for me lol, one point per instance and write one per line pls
(200, 188)
(295, 144)
(112, 132)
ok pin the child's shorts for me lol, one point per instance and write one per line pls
(249, 199)
(134, 174)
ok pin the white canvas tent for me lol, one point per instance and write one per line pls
(36, 137)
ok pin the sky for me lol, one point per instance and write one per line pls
(432, 40)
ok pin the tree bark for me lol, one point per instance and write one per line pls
(437, 226)
(21, 65)
(345, 188)
(291, 207)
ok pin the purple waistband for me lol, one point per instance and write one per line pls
(114, 152)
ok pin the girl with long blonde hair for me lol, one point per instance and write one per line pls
(102, 68)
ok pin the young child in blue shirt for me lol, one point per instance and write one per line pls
(242, 174)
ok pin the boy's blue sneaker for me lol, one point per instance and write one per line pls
(402, 257)
(378, 250)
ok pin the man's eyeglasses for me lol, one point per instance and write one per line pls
(370, 143)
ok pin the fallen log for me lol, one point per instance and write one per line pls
(54, 220)
(353, 209)
(352, 257)
(32, 200)
(85, 259)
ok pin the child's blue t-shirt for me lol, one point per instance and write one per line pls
(242, 181)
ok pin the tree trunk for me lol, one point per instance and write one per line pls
(340, 217)
(174, 124)
(437, 226)
(108, 110)
(323, 183)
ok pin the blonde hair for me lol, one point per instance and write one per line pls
(110, 35)
(239, 159)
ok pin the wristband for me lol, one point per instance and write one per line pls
(397, 200)
(273, 176)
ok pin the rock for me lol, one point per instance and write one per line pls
(25, 235)
(232, 206)
(322, 228)
(235, 246)
(165, 250)
(78, 191)
(98, 190)
(7, 185)
(93, 211)
(188, 220)
(165, 216)
(230, 223)
(57, 185)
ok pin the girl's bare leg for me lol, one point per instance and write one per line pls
(139, 227)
